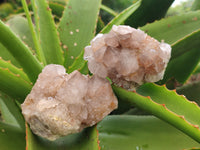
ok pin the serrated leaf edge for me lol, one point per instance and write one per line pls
(180, 122)
(98, 141)
(23, 75)
(16, 75)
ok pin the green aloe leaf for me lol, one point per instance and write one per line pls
(13, 84)
(185, 58)
(77, 27)
(85, 140)
(38, 49)
(63, 2)
(109, 10)
(84, 70)
(21, 52)
(7, 65)
(149, 11)
(11, 137)
(78, 64)
(48, 35)
(166, 105)
(127, 132)
(19, 25)
(196, 5)
(193, 149)
(120, 18)
(197, 70)
(174, 28)
(6, 55)
(10, 112)
(57, 9)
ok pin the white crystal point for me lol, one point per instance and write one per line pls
(60, 103)
(122, 30)
(128, 56)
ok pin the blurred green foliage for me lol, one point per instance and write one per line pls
(5, 9)
(183, 7)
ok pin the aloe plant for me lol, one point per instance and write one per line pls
(172, 120)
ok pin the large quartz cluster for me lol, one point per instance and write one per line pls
(128, 56)
(60, 103)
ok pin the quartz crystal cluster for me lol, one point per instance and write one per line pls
(128, 56)
(60, 103)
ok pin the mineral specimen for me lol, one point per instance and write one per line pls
(60, 103)
(128, 56)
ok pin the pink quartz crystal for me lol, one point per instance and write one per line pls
(128, 56)
(60, 103)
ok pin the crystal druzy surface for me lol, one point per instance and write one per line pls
(128, 56)
(60, 103)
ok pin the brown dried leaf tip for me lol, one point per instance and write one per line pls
(60, 103)
(128, 56)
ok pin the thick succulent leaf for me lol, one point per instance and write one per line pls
(166, 105)
(149, 11)
(77, 27)
(78, 63)
(84, 70)
(48, 35)
(109, 10)
(195, 5)
(197, 70)
(10, 112)
(120, 18)
(39, 53)
(185, 58)
(7, 65)
(85, 140)
(11, 137)
(191, 91)
(174, 102)
(19, 26)
(63, 2)
(174, 28)
(194, 148)
(57, 9)
(6, 55)
(127, 132)
(13, 84)
(22, 53)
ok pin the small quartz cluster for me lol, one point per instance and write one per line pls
(128, 56)
(60, 103)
